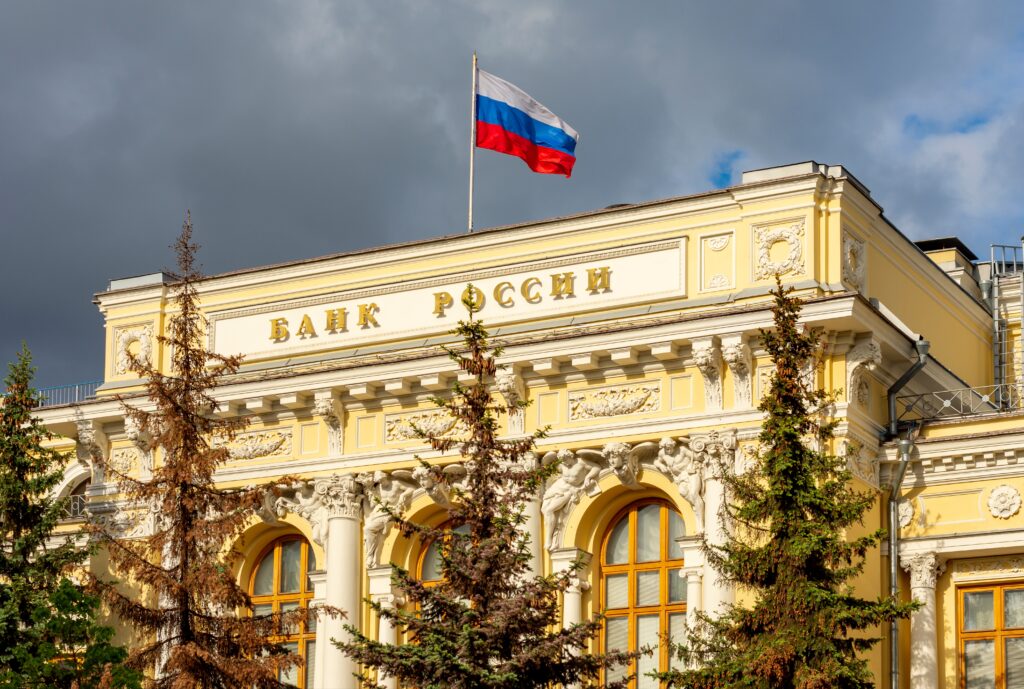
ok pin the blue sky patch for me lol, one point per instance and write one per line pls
(723, 170)
(918, 127)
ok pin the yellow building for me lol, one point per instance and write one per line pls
(633, 331)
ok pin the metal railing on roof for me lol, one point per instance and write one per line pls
(1007, 259)
(960, 403)
(68, 394)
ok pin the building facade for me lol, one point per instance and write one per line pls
(633, 332)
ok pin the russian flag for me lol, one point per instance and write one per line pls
(509, 121)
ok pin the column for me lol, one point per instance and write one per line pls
(319, 581)
(924, 569)
(340, 501)
(533, 530)
(693, 572)
(717, 594)
(572, 599)
(381, 592)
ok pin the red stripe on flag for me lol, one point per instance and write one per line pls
(539, 158)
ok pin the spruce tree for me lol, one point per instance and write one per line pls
(49, 636)
(788, 515)
(489, 623)
(197, 621)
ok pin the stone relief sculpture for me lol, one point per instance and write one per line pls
(686, 469)
(125, 338)
(577, 474)
(708, 359)
(861, 359)
(317, 501)
(736, 354)
(767, 237)
(384, 495)
(332, 414)
(853, 261)
(615, 401)
(509, 385)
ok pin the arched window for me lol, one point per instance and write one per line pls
(77, 501)
(281, 583)
(430, 559)
(642, 594)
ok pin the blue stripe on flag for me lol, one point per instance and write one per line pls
(518, 122)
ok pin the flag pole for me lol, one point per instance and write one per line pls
(472, 143)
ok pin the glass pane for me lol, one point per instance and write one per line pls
(1013, 608)
(978, 612)
(262, 610)
(676, 529)
(291, 675)
(292, 628)
(616, 591)
(648, 588)
(431, 563)
(310, 567)
(676, 586)
(980, 664)
(1015, 663)
(311, 621)
(310, 662)
(263, 582)
(618, 544)
(616, 638)
(648, 533)
(291, 551)
(647, 635)
(677, 635)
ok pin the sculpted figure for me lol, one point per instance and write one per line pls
(393, 494)
(576, 474)
(432, 483)
(685, 467)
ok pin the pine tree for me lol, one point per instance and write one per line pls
(489, 623)
(788, 516)
(49, 636)
(197, 619)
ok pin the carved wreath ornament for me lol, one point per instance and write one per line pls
(792, 263)
(1004, 502)
(143, 335)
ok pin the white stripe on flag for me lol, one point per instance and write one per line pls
(498, 89)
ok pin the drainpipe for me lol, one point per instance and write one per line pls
(922, 347)
(906, 446)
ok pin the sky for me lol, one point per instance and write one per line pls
(297, 128)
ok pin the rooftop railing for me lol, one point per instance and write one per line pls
(68, 394)
(960, 403)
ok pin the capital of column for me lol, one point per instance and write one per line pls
(339, 496)
(924, 569)
(564, 558)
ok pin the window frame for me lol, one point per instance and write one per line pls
(998, 634)
(665, 608)
(303, 597)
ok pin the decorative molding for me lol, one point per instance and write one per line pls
(386, 495)
(854, 261)
(736, 354)
(618, 400)
(719, 242)
(1004, 502)
(860, 360)
(861, 462)
(141, 439)
(717, 449)
(707, 357)
(766, 236)
(1006, 566)
(924, 569)
(124, 459)
(256, 444)
(124, 338)
(718, 281)
(436, 422)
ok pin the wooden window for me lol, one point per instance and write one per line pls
(642, 593)
(991, 625)
(280, 583)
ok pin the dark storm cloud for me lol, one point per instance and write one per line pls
(293, 129)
